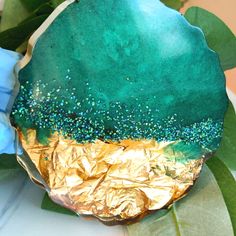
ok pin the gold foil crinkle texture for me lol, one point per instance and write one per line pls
(114, 181)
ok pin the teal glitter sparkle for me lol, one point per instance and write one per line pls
(49, 113)
(123, 69)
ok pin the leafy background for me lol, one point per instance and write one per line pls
(210, 207)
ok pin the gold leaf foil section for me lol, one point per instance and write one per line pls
(114, 181)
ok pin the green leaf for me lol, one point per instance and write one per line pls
(227, 185)
(175, 4)
(218, 35)
(227, 149)
(13, 38)
(8, 166)
(6, 174)
(201, 212)
(32, 5)
(13, 13)
(32, 19)
(23, 13)
(44, 9)
(8, 162)
(49, 205)
(55, 3)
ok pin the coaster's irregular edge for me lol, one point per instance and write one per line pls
(67, 183)
(33, 39)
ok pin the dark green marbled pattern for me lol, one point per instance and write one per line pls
(118, 69)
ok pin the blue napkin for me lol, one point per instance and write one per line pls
(8, 91)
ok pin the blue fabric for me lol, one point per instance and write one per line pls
(5, 97)
(8, 87)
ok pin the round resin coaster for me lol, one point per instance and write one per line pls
(120, 103)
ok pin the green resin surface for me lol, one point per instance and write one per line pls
(119, 69)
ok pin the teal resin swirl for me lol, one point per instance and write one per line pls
(120, 69)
